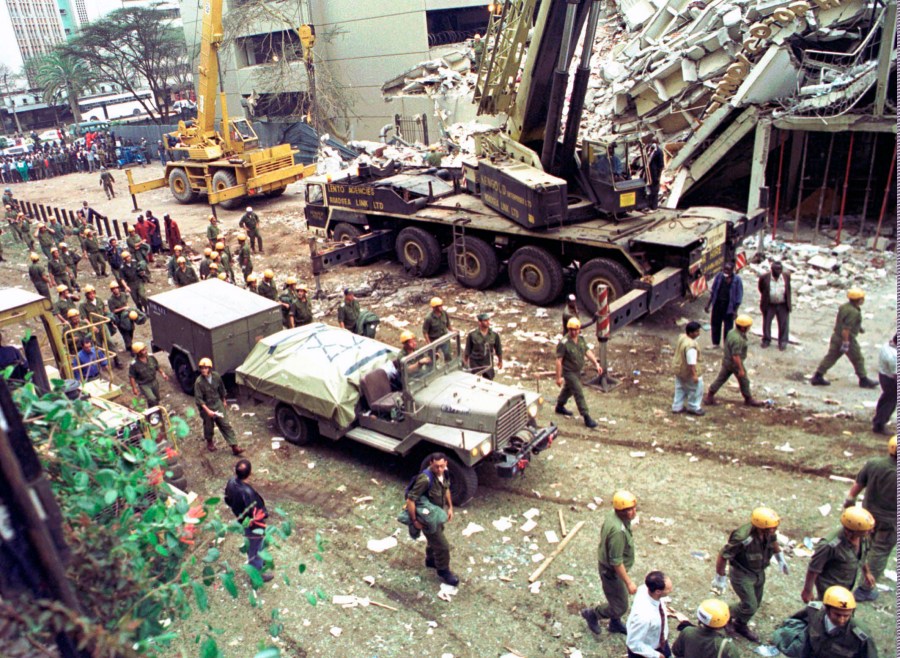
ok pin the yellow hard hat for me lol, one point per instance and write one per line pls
(126, 254)
(624, 500)
(214, 255)
(131, 229)
(251, 278)
(220, 246)
(207, 251)
(180, 260)
(302, 286)
(133, 315)
(290, 281)
(764, 518)
(713, 613)
(62, 287)
(178, 248)
(52, 249)
(71, 313)
(33, 256)
(892, 446)
(137, 347)
(856, 293)
(406, 335)
(269, 274)
(113, 285)
(436, 301)
(205, 362)
(573, 323)
(839, 597)
(212, 218)
(223, 276)
(89, 288)
(213, 266)
(63, 245)
(857, 519)
(743, 321)
(241, 237)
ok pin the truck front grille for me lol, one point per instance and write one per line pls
(512, 420)
(131, 434)
(272, 165)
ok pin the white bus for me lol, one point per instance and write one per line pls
(115, 106)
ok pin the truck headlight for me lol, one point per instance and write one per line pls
(154, 419)
(483, 449)
(533, 409)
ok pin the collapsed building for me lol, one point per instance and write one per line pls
(786, 105)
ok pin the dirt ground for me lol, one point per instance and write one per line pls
(696, 479)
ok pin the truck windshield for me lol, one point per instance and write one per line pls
(431, 361)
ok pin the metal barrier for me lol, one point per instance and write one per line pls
(103, 225)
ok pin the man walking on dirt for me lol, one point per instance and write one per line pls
(725, 297)
(142, 374)
(250, 223)
(847, 326)
(733, 358)
(887, 379)
(250, 509)
(686, 363)
(434, 483)
(209, 393)
(839, 556)
(615, 556)
(570, 353)
(106, 182)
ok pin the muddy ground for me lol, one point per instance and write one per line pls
(695, 478)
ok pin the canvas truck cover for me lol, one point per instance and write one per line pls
(317, 368)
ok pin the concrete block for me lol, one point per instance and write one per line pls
(732, 17)
(695, 53)
(713, 64)
(774, 76)
(689, 70)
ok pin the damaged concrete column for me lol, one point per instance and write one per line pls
(758, 164)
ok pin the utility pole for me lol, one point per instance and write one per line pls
(12, 101)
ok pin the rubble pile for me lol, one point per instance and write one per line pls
(449, 74)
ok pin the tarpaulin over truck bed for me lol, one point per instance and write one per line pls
(316, 367)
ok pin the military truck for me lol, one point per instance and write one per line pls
(210, 319)
(328, 382)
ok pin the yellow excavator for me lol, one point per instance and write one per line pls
(226, 166)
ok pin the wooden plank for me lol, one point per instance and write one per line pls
(559, 549)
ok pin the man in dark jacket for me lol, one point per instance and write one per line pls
(775, 302)
(725, 298)
(250, 509)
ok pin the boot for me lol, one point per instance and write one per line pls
(448, 577)
(819, 380)
(865, 382)
(429, 562)
(237, 450)
(861, 594)
(616, 626)
(562, 411)
(710, 399)
(752, 402)
(210, 446)
(742, 629)
(589, 422)
(591, 618)
(267, 577)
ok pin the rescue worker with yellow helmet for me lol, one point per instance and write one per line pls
(615, 557)
(437, 324)
(185, 274)
(212, 231)
(847, 326)
(748, 552)
(706, 640)
(142, 374)
(244, 258)
(251, 282)
(878, 477)
(839, 556)
(570, 354)
(172, 263)
(266, 287)
(734, 356)
(209, 394)
(301, 311)
(831, 630)
(287, 298)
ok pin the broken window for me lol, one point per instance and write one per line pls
(455, 25)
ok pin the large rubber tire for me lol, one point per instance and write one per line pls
(271, 194)
(482, 264)
(174, 467)
(344, 232)
(296, 429)
(184, 374)
(463, 480)
(180, 186)
(418, 251)
(223, 179)
(535, 275)
(601, 271)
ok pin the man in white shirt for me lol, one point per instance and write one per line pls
(775, 303)
(887, 377)
(648, 630)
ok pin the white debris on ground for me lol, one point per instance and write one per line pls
(450, 73)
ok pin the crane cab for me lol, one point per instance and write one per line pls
(613, 174)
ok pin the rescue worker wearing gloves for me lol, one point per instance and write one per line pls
(879, 478)
(733, 358)
(706, 639)
(615, 556)
(209, 393)
(570, 353)
(749, 550)
(831, 629)
(838, 557)
(847, 326)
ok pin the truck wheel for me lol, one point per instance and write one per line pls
(181, 368)
(174, 466)
(180, 186)
(535, 275)
(344, 232)
(295, 429)
(597, 272)
(223, 179)
(463, 480)
(418, 251)
(482, 265)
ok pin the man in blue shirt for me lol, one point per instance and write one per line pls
(725, 297)
(88, 361)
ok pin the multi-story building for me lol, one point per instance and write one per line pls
(28, 28)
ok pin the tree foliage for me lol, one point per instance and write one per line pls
(60, 73)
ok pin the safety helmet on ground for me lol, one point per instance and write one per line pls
(406, 335)
(220, 246)
(623, 500)
(34, 257)
(269, 274)
(72, 313)
(113, 285)
(89, 288)
(241, 237)
(251, 278)
(764, 518)
(856, 293)
(132, 315)
(205, 362)
(857, 519)
(137, 347)
(207, 251)
(573, 323)
(892, 446)
(713, 613)
(436, 301)
(180, 260)
(62, 287)
(178, 248)
(290, 281)
(223, 276)
(839, 597)
(743, 321)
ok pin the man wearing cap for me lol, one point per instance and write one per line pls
(71, 261)
(437, 324)
(301, 313)
(838, 557)
(733, 358)
(92, 248)
(58, 269)
(847, 326)
(706, 639)
(209, 393)
(250, 223)
(142, 374)
(434, 157)
(832, 631)
(481, 346)
(725, 297)
(286, 299)
(615, 556)
(134, 275)
(267, 287)
(118, 304)
(686, 364)
(225, 260)
(39, 276)
(212, 231)
(64, 303)
(879, 478)
(185, 274)
(749, 551)
(92, 311)
(348, 312)
(571, 311)
(244, 259)
(570, 354)
(172, 263)
(114, 258)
